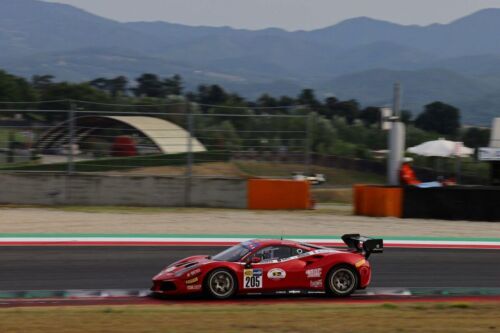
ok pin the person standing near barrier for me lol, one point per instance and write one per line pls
(407, 174)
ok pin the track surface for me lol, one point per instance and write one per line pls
(45, 268)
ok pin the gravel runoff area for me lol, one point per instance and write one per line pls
(329, 220)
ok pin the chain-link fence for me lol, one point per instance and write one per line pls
(181, 139)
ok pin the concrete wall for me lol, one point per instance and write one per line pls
(82, 189)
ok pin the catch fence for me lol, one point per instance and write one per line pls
(180, 139)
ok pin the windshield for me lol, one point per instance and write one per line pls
(232, 254)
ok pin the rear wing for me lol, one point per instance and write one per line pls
(363, 244)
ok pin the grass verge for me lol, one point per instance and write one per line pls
(375, 318)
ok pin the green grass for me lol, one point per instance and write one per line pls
(123, 163)
(255, 318)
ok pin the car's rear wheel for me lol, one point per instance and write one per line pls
(341, 281)
(220, 284)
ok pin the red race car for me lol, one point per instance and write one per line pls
(272, 266)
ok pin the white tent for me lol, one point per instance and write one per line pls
(441, 148)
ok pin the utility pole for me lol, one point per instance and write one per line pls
(396, 140)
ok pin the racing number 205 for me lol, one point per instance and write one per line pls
(253, 281)
(252, 278)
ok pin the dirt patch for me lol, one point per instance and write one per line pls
(203, 169)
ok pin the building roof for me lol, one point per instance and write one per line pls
(168, 137)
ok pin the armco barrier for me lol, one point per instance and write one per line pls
(54, 188)
(278, 194)
(95, 189)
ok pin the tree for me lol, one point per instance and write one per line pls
(348, 110)
(329, 109)
(13, 88)
(439, 117)
(406, 116)
(63, 91)
(149, 85)
(100, 83)
(267, 101)
(41, 81)
(114, 87)
(476, 137)
(211, 95)
(173, 85)
(118, 85)
(370, 116)
(308, 98)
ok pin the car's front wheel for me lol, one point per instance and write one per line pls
(220, 284)
(341, 281)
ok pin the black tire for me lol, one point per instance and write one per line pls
(220, 284)
(341, 281)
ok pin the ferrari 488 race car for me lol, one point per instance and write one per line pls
(272, 266)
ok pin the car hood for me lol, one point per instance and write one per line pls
(182, 267)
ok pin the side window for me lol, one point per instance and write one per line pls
(275, 253)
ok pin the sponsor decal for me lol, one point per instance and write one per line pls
(252, 278)
(193, 273)
(314, 273)
(276, 274)
(192, 281)
(316, 283)
(194, 287)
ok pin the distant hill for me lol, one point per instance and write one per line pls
(358, 58)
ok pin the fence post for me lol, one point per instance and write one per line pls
(309, 137)
(189, 156)
(10, 147)
(71, 124)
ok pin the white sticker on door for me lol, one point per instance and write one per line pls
(252, 278)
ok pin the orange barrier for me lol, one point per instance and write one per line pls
(379, 201)
(278, 194)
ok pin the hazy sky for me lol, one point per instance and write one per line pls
(287, 14)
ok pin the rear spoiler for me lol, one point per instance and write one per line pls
(363, 244)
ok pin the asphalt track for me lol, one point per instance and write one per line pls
(49, 268)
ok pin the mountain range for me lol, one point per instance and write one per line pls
(361, 58)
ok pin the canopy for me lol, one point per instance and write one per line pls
(441, 148)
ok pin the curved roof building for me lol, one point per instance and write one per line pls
(160, 135)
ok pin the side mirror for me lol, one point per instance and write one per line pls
(256, 260)
(252, 260)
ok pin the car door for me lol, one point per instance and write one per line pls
(278, 269)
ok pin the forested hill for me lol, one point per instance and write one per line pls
(359, 58)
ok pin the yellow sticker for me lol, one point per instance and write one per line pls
(191, 281)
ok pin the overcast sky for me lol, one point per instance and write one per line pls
(287, 14)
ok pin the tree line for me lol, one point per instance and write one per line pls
(341, 127)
